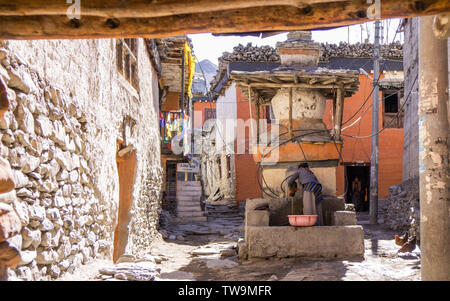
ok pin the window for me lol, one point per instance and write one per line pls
(210, 114)
(228, 167)
(126, 60)
(391, 107)
(219, 164)
(269, 113)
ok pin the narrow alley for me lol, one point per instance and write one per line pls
(207, 251)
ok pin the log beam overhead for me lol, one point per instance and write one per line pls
(27, 19)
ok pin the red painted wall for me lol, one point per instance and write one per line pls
(390, 141)
(355, 150)
(199, 112)
(245, 166)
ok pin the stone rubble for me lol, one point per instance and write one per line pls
(401, 211)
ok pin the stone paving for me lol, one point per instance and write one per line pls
(206, 251)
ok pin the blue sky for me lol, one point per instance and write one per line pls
(206, 46)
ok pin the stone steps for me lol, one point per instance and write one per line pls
(190, 193)
(194, 207)
(189, 207)
(190, 219)
(190, 213)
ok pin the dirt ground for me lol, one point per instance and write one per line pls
(206, 252)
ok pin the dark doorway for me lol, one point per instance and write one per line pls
(358, 193)
(169, 202)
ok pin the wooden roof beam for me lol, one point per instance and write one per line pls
(268, 18)
(139, 8)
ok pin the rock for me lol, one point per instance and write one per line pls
(8, 198)
(10, 224)
(54, 270)
(8, 137)
(30, 164)
(86, 251)
(54, 168)
(21, 81)
(30, 238)
(220, 264)
(228, 253)
(178, 275)
(74, 237)
(25, 119)
(46, 225)
(9, 254)
(22, 212)
(204, 251)
(64, 159)
(20, 179)
(46, 257)
(143, 271)
(73, 177)
(43, 126)
(27, 257)
(126, 258)
(273, 278)
(64, 265)
(36, 212)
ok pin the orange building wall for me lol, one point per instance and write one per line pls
(199, 112)
(172, 102)
(354, 150)
(244, 164)
(390, 141)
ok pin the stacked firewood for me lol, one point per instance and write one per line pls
(392, 51)
(267, 53)
(251, 53)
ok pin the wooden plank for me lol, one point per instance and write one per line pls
(339, 112)
(139, 8)
(293, 85)
(291, 135)
(267, 18)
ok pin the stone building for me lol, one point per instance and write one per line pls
(79, 135)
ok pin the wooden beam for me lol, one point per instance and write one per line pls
(250, 115)
(267, 18)
(258, 113)
(293, 85)
(291, 132)
(139, 8)
(339, 112)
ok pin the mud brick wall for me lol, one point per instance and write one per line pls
(68, 105)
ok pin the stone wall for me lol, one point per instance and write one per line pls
(68, 106)
(411, 123)
(401, 210)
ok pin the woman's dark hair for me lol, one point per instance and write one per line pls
(303, 165)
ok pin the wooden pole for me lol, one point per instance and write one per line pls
(291, 132)
(373, 210)
(250, 114)
(257, 118)
(434, 166)
(339, 112)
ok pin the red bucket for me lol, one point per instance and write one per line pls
(302, 220)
